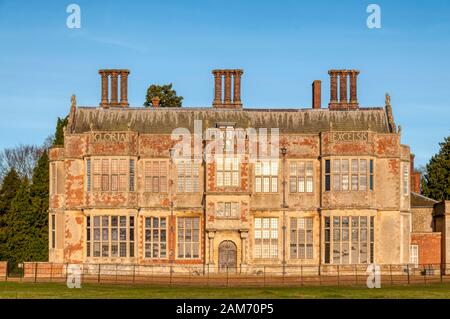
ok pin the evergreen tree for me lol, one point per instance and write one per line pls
(19, 220)
(167, 96)
(59, 134)
(436, 180)
(11, 185)
(39, 205)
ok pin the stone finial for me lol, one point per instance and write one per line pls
(155, 101)
(73, 100)
(388, 99)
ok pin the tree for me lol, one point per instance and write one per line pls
(436, 180)
(22, 159)
(11, 185)
(19, 219)
(168, 97)
(27, 219)
(59, 134)
(39, 206)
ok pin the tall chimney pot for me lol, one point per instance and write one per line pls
(317, 94)
(343, 75)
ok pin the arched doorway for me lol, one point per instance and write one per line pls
(227, 256)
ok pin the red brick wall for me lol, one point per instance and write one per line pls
(429, 247)
(3, 269)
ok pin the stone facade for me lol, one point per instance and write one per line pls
(338, 194)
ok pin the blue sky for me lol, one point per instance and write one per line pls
(282, 46)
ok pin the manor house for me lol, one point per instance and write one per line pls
(338, 192)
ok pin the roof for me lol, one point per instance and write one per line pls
(418, 200)
(164, 120)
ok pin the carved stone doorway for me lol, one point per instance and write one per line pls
(227, 256)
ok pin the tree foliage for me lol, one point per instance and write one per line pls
(22, 159)
(8, 191)
(168, 96)
(18, 221)
(59, 134)
(27, 218)
(436, 180)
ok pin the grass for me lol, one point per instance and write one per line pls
(60, 291)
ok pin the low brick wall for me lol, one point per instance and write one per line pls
(3, 270)
(43, 270)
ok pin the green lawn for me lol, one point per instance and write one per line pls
(56, 290)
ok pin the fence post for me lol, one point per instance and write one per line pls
(338, 275)
(441, 269)
(407, 270)
(301, 275)
(425, 273)
(116, 273)
(98, 275)
(170, 277)
(35, 272)
(356, 274)
(51, 272)
(264, 273)
(134, 272)
(390, 273)
(320, 276)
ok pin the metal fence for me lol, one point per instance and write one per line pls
(254, 276)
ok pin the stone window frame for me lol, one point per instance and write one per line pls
(304, 243)
(306, 174)
(234, 172)
(352, 238)
(96, 175)
(261, 175)
(191, 242)
(56, 178)
(190, 178)
(405, 179)
(149, 176)
(159, 242)
(233, 206)
(130, 241)
(340, 177)
(273, 231)
(414, 255)
(53, 231)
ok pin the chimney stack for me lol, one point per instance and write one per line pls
(343, 75)
(229, 100)
(415, 176)
(353, 87)
(113, 99)
(344, 103)
(316, 94)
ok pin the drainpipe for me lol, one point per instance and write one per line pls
(284, 206)
(172, 222)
